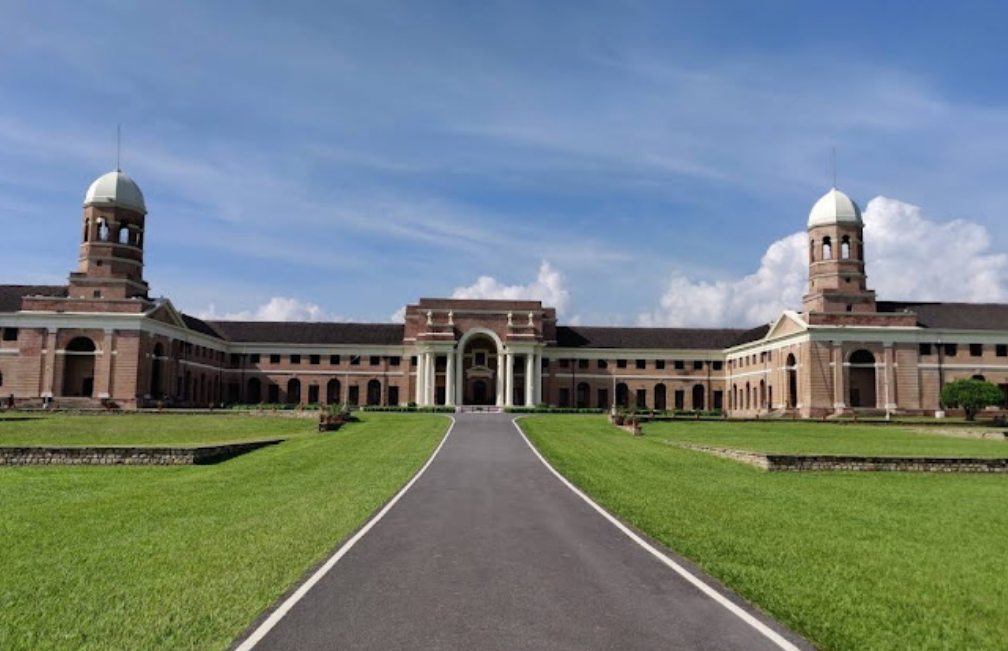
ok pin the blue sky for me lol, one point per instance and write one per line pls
(351, 157)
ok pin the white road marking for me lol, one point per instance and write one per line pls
(286, 606)
(765, 630)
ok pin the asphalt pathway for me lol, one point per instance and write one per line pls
(489, 550)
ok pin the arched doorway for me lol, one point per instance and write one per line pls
(294, 391)
(792, 381)
(622, 395)
(481, 368)
(583, 395)
(157, 373)
(79, 368)
(698, 397)
(862, 379)
(373, 393)
(253, 391)
(660, 399)
(333, 392)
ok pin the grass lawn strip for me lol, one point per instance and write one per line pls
(785, 437)
(162, 430)
(186, 558)
(849, 560)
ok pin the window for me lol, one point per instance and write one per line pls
(924, 349)
(641, 398)
(603, 364)
(603, 397)
(354, 391)
(564, 397)
(97, 293)
(254, 358)
(315, 360)
(393, 361)
(274, 393)
(679, 364)
(334, 360)
(564, 363)
(698, 365)
(313, 393)
(641, 364)
(375, 360)
(274, 359)
(480, 359)
(717, 366)
(355, 361)
(235, 359)
(680, 399)
(659, 364)
(951, 350)
(1002, 350)
(620, 363)
(583, 363)
(10, 334)
(976, 350)
(295, 359)
(393, 392)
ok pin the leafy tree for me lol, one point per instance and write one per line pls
(971, 395)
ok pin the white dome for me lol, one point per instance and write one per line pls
(115, 189)
(834, 207)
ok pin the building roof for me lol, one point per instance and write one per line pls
(310, 333)
(115, 189)
(11, 295)
(953, 316)
(478, 304)
(655, 338)
(834, 207)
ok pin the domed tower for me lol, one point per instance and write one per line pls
(111, 253)
(837, 281)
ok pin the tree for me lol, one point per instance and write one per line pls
(971, 395)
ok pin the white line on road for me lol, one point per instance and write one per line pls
(767, 632)
(286, 606)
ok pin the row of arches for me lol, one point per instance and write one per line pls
(124, 234)
(374, 392)
(826, 249)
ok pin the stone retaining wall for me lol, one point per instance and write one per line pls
(847, 463)
(128, 456)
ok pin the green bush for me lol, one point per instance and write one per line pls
(971, 396)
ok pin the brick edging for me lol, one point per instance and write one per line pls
(127, 456)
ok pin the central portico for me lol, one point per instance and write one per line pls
(483, 352)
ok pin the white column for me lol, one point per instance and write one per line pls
(537, 375)
(530, 379)
(420, 366)
(460, 382)
(500, 378)
(509, 385)
(450, 380)
(431, 378)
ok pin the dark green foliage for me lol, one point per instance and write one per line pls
(971, 396)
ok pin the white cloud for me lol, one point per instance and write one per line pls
(548, 287)
(909, 257)
(399, 315)
(278, 308)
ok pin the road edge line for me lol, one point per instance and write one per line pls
(278, 614)
(697, 582)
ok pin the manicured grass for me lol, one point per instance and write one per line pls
(880, 561)
(823, 438)
(148, 430)
(186, 558)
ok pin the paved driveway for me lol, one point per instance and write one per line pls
(489, 550)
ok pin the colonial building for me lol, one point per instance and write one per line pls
(101, 338)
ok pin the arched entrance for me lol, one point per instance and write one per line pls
(79, 368)
(333, 392)
(862, 379)
(660, 399)
(792, 381)
(373, 393)
(253, 391)
(698, 397)
(294, 391)
(622, 395)
(481, 368)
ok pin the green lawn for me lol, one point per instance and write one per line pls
(852, 561)
(187, 557)
(148, 430)
(818, 438)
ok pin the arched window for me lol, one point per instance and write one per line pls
(622, 395)
(792, 378)
(124, 235)
(1, 378)
(845, 247)
(660, 398)
(979, 377)
(79, 368)
(762, 395)
(862, 379)
(103, 229)
(811, 251)
(87, 229)
(748, 392)
(827, 248)
(294, 391)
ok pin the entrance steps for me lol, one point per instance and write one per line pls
(479, 409)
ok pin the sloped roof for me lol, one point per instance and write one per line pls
(11, 295)
(290, 332)
(655, 338)
(953, 316)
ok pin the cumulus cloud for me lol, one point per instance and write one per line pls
(278, 308)
(548, 287)
(909, 257)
